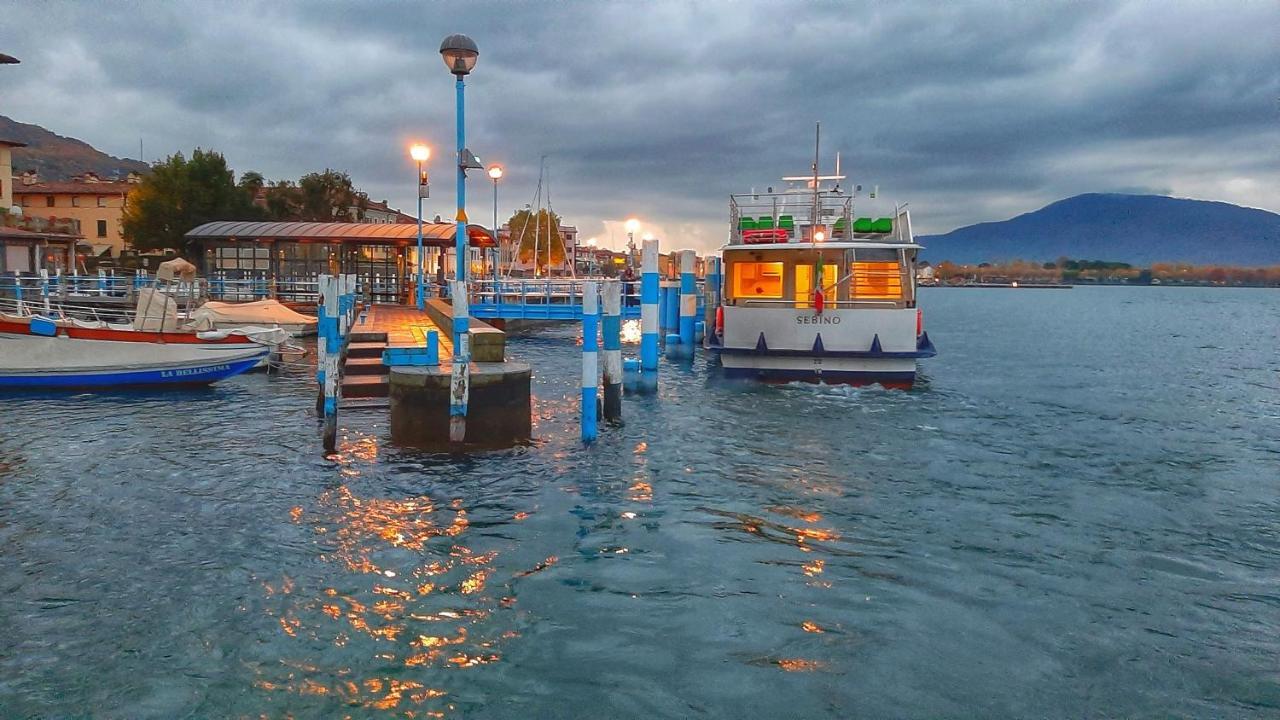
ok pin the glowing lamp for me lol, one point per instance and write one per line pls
(420, 152)
(819, 236)
(459, 53)
(495, 171)
(632, 225)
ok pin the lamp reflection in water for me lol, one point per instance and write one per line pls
(402, 589)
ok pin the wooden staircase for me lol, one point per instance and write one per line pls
(365, 380)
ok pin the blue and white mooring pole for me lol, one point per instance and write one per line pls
(590, 361)
(611, 330)
(331, 340)
(688, 299)
(649, 307)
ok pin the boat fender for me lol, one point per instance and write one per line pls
(818, 301)
(43, 326)
(919, 322)
(719, 321)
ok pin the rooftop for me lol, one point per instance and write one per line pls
(101, 187)
(434, 234)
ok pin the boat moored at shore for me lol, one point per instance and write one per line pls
(815, 293)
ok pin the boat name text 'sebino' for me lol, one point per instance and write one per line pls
(817, 319)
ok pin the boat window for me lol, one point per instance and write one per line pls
(876, 274)
(804, 283)
(757, 280)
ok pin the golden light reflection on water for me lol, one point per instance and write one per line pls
(405, 590)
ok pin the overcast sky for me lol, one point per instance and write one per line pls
(969, 111)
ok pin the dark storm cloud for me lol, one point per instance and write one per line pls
(972, 112)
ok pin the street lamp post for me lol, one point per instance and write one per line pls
(420, 153)
(495, 172)
(459, 53)
(632, 225)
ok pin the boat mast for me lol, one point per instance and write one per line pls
(813, 220)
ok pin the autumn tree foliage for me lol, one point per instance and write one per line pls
(541, 229)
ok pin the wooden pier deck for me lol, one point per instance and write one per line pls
(398, 323)
(365, 380)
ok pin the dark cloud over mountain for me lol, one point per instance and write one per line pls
(970, 111)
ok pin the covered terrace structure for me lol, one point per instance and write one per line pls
(290, 255)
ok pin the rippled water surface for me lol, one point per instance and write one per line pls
(1076, 514)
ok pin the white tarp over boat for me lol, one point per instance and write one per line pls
(262, 313)
(155, 311)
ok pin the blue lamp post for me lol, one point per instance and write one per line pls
(460, 53)
(420, 153)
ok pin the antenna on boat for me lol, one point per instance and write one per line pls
(817, 143)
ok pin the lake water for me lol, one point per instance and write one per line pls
(1076, 513)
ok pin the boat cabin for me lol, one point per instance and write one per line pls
(782, 245)
(852, 275)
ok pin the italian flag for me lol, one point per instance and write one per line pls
(818, 300)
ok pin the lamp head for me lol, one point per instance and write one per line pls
(459, 53)
(632, 225)
(420, 152)
(495, 171)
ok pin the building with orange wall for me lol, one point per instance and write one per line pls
(97, 204)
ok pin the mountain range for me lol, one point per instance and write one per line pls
(1137, 229)
(56, 157)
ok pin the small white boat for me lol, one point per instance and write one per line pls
(815, 293)
(258, 314)
(44, 362)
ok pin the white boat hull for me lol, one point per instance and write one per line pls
(29, 362)
(847, 346)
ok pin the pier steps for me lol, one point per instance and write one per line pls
(364, 377)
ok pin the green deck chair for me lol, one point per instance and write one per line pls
(863, 225)
(882, 225)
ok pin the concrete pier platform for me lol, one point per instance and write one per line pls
(498, 410)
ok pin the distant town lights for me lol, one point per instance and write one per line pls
(420, 152)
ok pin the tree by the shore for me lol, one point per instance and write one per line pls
(529, 228)
(181, 194)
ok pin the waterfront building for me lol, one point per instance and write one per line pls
(31, 250)
(384, 255)
(96, 203)
(6, 173)
(379, 212)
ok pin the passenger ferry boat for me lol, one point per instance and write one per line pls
(819, 286)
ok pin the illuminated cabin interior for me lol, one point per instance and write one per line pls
(850, 277)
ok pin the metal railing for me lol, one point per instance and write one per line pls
(543, 299)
